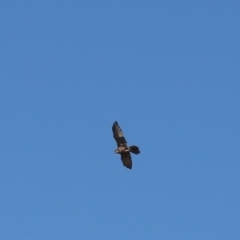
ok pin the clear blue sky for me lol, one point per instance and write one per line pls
(167, 71)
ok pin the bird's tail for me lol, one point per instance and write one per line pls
(134, 149)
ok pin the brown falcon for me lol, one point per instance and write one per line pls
(123, 149)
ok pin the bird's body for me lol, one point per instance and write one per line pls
(123, 149)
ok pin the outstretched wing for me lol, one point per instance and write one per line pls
(126, 159)
(118, 135)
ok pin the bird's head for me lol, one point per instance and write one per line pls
(116, 151)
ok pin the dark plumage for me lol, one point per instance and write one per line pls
(123, 149)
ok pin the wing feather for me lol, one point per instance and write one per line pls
(126, 159)
(118, 134)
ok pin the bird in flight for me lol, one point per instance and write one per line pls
(123, 149)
